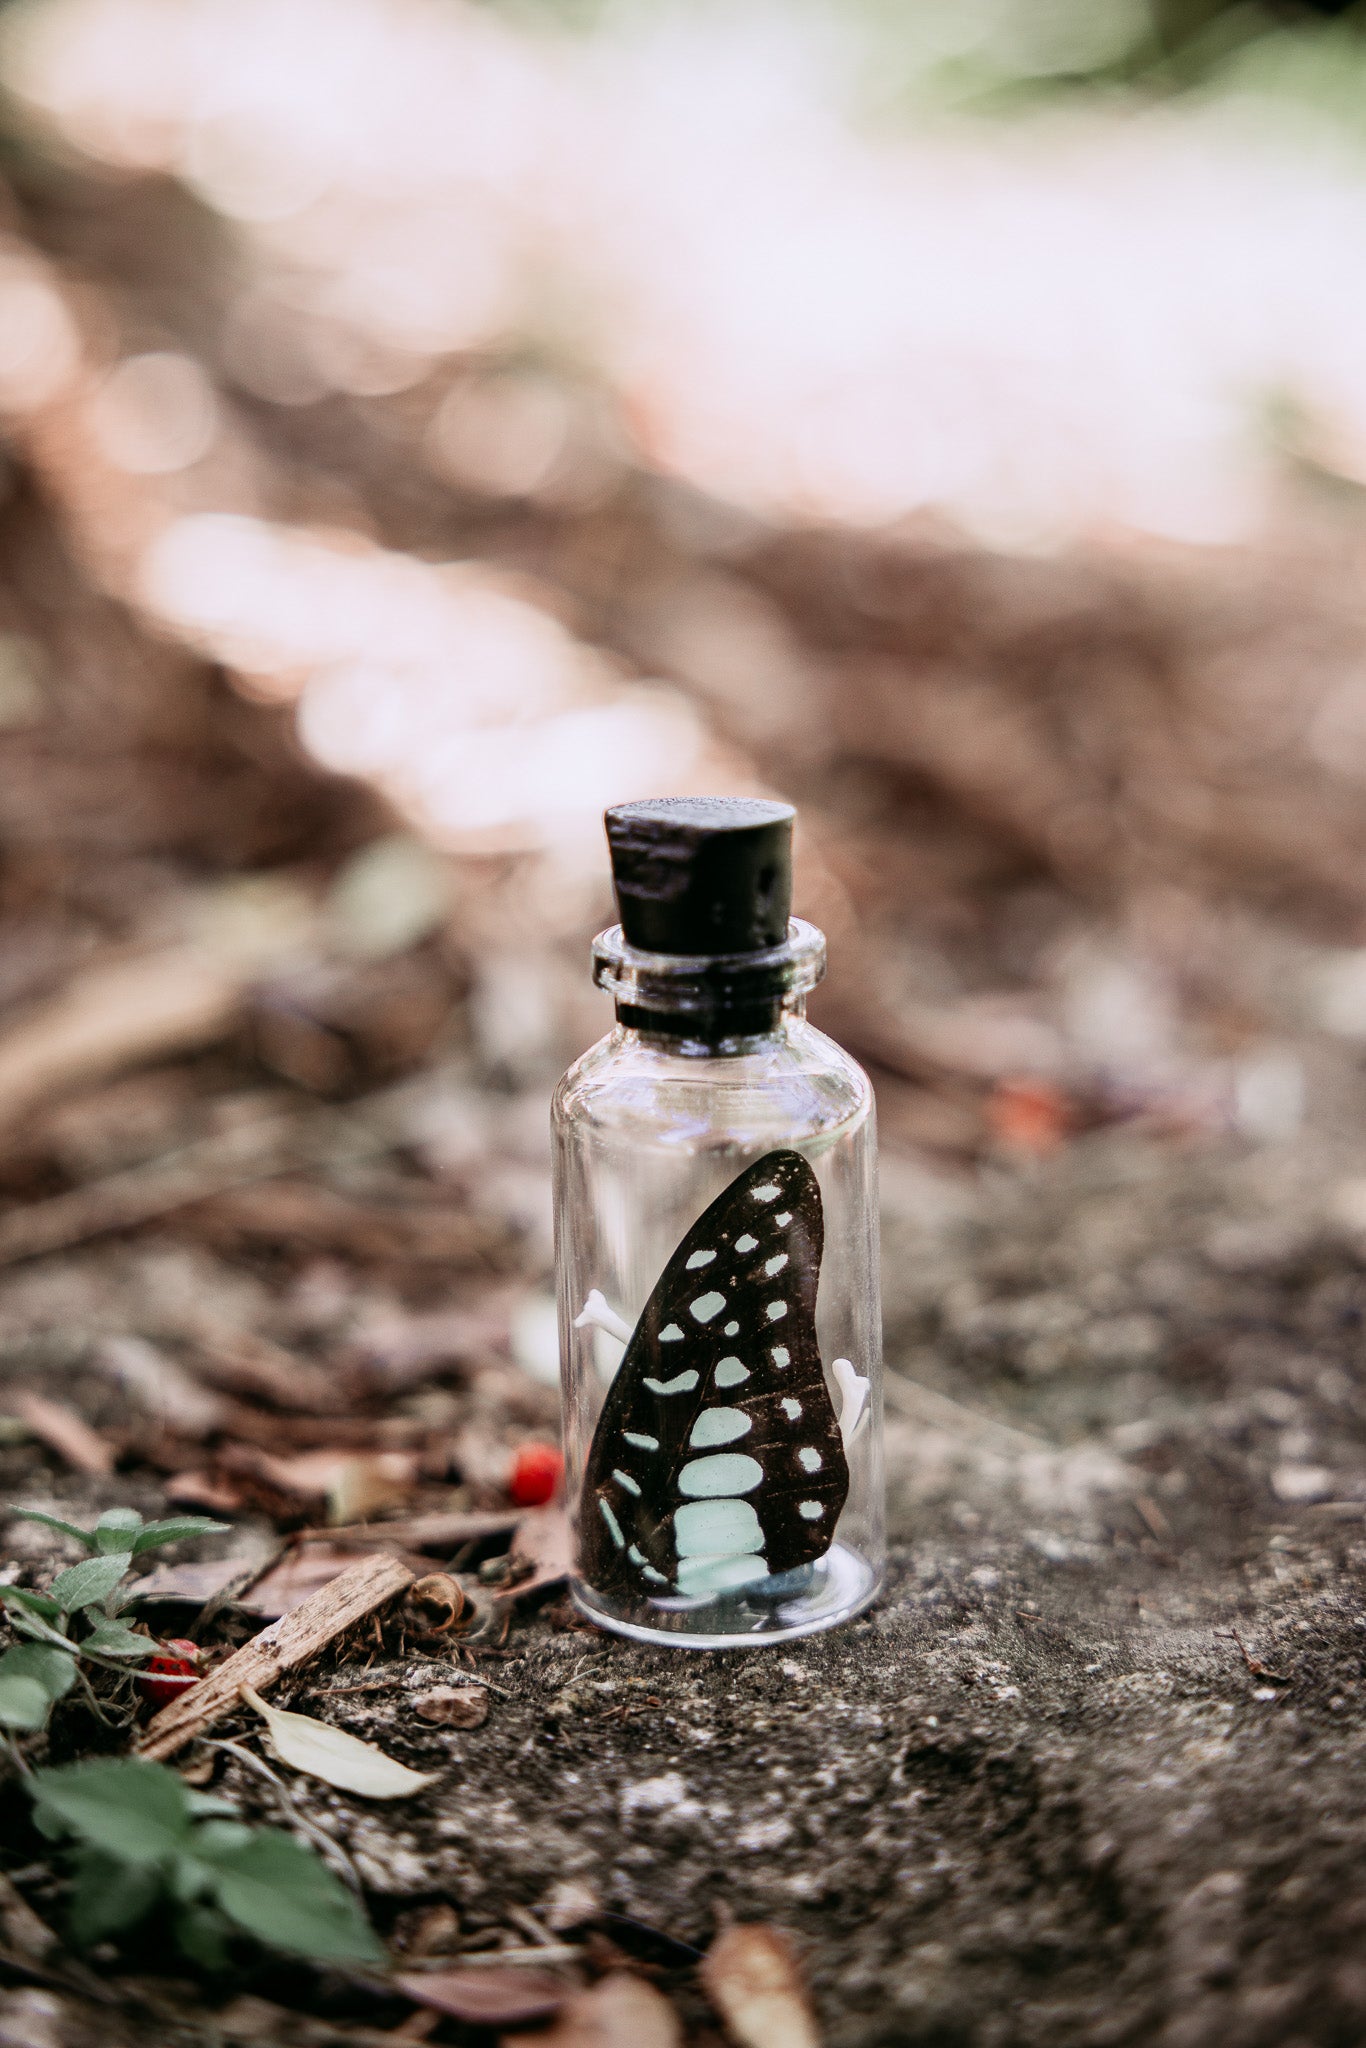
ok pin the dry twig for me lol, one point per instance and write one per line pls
(366, 1585)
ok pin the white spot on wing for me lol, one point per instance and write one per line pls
(625, 1479)
(769, 1192)
(670, 1334)
(720, 1478)
(783, 1220)
(699, 1259)
(613, 1525)
(684, 1383)
(791, 1409)
(809, 1460)
(719, 1426)
(746, 1243)
(776, 1311)
(781, 1355)
(732, 1330)
(640, 1440)
(775, 1264)
(706, 1306)
(730, 1373)
(810, 1510)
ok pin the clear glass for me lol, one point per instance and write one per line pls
(647, 1136)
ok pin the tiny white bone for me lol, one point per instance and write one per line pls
(853, 1394)
(598, 1314)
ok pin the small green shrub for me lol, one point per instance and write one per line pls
(90, 1595)
(141, 1841)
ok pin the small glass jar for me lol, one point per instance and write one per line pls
(712, 1068)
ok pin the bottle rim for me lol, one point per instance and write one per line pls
(708, 984)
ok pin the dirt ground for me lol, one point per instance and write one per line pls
(1089, 1771)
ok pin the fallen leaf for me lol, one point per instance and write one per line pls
(299, 1574)
(454, 1706)
(64, 1432)
(620, 2011)
(436, 1602)
(194, 1583)
(352, 1484)
(752, 1977)
(334, 1756)
(544, 1540)
(204, 1490)
(488, 1998)
(159, 1386)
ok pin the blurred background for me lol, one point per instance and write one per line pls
(425, 423)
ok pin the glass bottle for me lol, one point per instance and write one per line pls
(721, 1370)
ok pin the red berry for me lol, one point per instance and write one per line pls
(535, 1475)
(171, 1672)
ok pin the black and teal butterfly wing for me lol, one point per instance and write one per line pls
(718, 1461)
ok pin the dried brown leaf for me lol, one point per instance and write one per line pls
(64, 1432)
(544, 1540)
(454, 1706)
(621, 2011)
(489, 1998)
(753, 1978)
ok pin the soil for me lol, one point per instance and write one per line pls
(1089, 1772)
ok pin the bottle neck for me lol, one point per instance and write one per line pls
(721, 1037)
(709, 1003)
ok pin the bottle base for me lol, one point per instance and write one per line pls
(839, 1586)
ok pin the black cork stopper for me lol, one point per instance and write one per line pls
(702, 875)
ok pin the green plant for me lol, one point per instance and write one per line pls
(142, 1841)
(92, 1594)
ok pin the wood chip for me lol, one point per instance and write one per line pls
(489, 1998)
(369, 1583)
(620, 2011)
(64, 1432)
(752, 1977)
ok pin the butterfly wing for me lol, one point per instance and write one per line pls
(717, 1459)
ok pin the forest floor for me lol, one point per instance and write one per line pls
(1088, 1772)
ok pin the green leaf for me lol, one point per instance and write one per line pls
(133, 1810)
(172, 1531)
(89, 1583)
(188, 1879)
(276, 1889)
(204, 1805)
(23, 1702)
(116, 1530)
(37, 1603)
(115, 1639)
(26, 1624)
(54, 1670)
(203, 1935)
(82, 1536)
(108, 1896)
(220, 1840)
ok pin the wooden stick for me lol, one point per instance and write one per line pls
(297, 1636)
(419, 1532)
